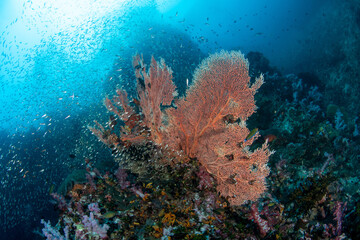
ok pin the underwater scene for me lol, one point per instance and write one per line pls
(179, 119)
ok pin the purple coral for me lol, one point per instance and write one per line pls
(91, 228)
(263, 224)
(121, 176)
(94, 207)
(206, 181)
(53, 234)
(339, 217)
(62, 205)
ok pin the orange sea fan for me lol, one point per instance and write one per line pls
(198, 126)
(209, 123)
(221, 88)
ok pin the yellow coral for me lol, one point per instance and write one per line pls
(169, 218)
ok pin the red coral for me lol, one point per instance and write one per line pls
(120, 105)
(221, 89)
(240, 173)
(198, 126)
(203, 124)
(155, 88)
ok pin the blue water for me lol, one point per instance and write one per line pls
(60, 58)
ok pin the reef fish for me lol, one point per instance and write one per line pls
(109, 214)
(251, 134)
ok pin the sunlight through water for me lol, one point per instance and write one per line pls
(54, 37)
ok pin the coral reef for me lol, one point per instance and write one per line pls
(182, 177)
(209, 123)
